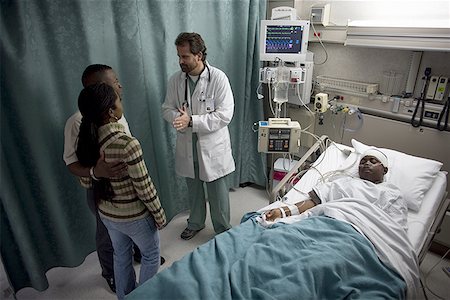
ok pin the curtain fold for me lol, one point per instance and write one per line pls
(45, 46)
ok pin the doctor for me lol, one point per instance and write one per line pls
(199, 104)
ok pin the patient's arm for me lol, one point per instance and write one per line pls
(302, 206)
(276, 213)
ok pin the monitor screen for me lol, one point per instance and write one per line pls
(284, 39)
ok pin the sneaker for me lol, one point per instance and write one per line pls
(188, 234)
(111, 284)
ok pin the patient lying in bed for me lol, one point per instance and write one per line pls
(350, 243)
(360, 202)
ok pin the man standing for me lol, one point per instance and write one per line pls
(199, 104)
(94, 74)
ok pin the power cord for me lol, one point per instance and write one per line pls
(421, 100)
(428, 273)
(318, 37)
(443, 113)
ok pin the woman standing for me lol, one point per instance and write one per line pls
(128, 205)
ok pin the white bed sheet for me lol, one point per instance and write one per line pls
(419, 223)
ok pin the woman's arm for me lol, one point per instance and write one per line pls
(143, 184)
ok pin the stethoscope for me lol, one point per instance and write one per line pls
(202, 97)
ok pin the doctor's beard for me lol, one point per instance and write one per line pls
(185, 68)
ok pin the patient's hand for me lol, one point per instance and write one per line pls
(273, 214)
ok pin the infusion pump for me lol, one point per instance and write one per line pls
(279, 135)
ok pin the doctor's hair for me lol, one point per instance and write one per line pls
(194, 40)
(94, 71)
(94, 103)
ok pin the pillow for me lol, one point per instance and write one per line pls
(411, 174)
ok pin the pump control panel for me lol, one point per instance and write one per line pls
(279, 135)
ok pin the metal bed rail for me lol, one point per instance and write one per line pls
(434, 229)
(280, 188)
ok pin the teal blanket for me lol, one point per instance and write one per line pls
(317, 258)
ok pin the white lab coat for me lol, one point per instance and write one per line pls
(211, 108)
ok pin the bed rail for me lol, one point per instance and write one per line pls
(443, 207)
(280, 188)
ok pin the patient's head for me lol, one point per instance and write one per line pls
(373, 165)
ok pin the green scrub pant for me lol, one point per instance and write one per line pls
(218, 198)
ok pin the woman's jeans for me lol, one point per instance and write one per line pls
(146, 236)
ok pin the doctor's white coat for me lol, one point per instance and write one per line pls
(211, 108)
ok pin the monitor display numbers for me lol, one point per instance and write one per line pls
(284, 39)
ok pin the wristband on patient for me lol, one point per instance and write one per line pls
(283, 212)
(293, 209)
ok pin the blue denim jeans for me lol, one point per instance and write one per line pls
(146, 236)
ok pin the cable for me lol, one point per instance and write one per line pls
(428, 273)
(320, 40)
(260, 96)
(415, 123)
(445, 110)
(270, 97)
(305, 106)
(421, 100)
(265, 175)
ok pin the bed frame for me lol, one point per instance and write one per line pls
(280, 190)
(435, 227)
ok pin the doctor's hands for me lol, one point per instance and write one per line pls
(182, 121)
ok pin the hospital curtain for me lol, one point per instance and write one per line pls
(45, 46)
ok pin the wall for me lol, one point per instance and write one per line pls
(368, 64)
(417, 13)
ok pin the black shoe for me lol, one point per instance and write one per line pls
(188, 234)
(162, 261)
(111, 284)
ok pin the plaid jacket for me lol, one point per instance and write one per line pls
(135, 196)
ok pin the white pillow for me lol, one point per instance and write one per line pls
(411, 174)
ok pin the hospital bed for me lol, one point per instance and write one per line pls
(250, 261)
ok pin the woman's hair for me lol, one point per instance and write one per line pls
(194, 40)
(94, 103)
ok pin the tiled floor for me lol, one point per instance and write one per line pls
(85, 282)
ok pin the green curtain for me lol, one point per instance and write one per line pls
(45, 46)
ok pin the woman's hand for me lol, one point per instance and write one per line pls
(273, 214)
(160, 226)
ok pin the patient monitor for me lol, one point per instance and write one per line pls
(287, 73)
(279, 135)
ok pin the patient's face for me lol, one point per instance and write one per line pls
(370, 168)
